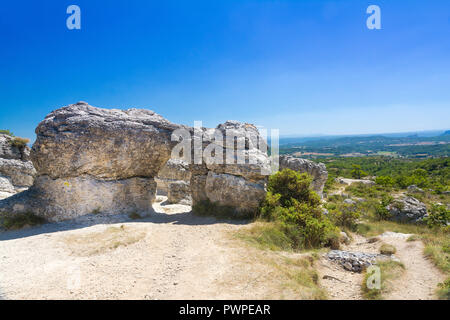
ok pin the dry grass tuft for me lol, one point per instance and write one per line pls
(102, 241)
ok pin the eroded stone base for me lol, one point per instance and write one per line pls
(68, 198)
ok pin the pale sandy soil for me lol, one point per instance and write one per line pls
(174, 255)
(171, 255)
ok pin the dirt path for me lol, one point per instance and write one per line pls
(342, 284)
(174, 255)
(418, 282)
(171, 255)
(421, 277)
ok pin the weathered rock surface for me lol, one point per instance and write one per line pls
(348, 181)
(179, 192)
(174, 181)
(106, 144)
(229, 190)
(356, 261)
(318, 171)
(65, 198)
(16, 171)
(90, 159)
(414, 189)
(407, 209)
(227, 176)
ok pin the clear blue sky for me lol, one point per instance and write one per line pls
(305, 67)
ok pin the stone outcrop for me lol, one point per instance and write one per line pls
(414, 189)
(318, 171)
(357, 261)
(95, 160)
(239, 182)
(16, 170)
(106, 161)
(174, 181)
(407, 209)
(349, 182)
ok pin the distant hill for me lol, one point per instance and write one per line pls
(410, 146)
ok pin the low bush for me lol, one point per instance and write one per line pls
(345, 216)
(443, 291)
(387, 249)
(439, 216)
(381, 212)
(389, 270)
(7, 132)
(292, 204)
(19, 142)
(20, 220)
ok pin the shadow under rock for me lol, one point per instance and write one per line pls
(185, 218)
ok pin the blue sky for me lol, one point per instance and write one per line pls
(305, 67)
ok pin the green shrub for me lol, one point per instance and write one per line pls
(385, 181)
(7, 132)
(439, 216)
(381, 212)
(387, 249)
(295, 207)
(357, 172)
(20, 220)
(345, 216)
(444, 290)
(290, 185)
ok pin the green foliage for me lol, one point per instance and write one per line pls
(385, 181)
(7, 132)
(295, 208)
(291, 185)
(345, 216)
(381, 213)
(444, 290)
(409, 147)
(431, 173)
(357, 172)
(387, 249)
(389, 271)
(439, 216)
(20, 220)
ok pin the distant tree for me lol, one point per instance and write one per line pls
(384, 181)
(357, 172)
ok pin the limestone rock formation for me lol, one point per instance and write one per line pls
(230, 190)
(16, 170)
(105, 161)
(414, 189)
(407, 209)
(318, 171)
(179, 192)
(174, 181)
(227, 176)
(95, 160)
(348, 181)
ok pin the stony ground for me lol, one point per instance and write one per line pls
(173, 255)
(417, 282)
